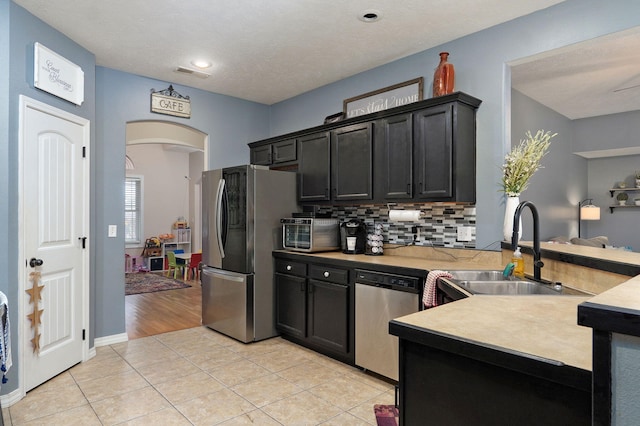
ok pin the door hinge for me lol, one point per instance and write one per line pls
(84, 334)
(84, 241)
(84, 152)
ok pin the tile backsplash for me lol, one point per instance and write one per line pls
(437, 226)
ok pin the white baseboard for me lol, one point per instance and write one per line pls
(11, 398)
(110, 340)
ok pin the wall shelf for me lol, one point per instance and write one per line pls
(623, 206)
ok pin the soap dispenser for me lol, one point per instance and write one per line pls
(518, 261)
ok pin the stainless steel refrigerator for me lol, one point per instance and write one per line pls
(241, 211)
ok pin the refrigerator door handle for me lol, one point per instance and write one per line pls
(219, 213)
(227, 276)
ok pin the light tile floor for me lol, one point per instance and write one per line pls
(199, 377)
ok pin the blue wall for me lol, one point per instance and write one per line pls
(562, 183)
(23, 30)
(230, 122)
(479, 61)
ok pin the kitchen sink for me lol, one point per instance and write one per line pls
(478, 275)
(494, 282)
(506, 287)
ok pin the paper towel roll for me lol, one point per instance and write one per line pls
(404, 215)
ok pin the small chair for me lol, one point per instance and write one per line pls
(172, 264)
(193, 272)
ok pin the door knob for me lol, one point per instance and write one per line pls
(35, 262)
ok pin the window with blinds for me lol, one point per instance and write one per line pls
(133, 210)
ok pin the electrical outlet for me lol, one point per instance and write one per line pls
(465, 233)
(113, 231)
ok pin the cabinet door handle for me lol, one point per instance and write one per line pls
(326, 274)
(408, 189)
(302, 284)
(289, 267)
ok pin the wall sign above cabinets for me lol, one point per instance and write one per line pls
(382, 99)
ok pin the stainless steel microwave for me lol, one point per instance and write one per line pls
(310, 234)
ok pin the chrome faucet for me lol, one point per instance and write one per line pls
(537, 263)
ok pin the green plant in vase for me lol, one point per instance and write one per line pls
(622, 198)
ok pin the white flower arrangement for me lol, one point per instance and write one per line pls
(523, 161)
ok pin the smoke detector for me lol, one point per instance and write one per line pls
(196, 73)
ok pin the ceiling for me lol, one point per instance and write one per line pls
(588, 79)
(269, 51)
(266, 51)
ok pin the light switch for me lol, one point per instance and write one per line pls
(113, 231)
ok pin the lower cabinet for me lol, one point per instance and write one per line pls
(314, 307)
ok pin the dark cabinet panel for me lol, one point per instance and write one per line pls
(315, 310)
(313, 167)
(285, 151)
(434, 153)
(328, 315)
(351, 162)
(291, 304)
(393, 158)
(261, 155)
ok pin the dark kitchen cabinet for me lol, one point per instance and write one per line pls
(433, 144)
(424, 151)
(280, 152)
(475, 385)
(314, 164)
(291, 304)
(315, 310)
(393, 158)
(445, 153)
(352, 162)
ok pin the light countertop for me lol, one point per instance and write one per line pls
(540, 326)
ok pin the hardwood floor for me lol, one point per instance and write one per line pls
(148, 314)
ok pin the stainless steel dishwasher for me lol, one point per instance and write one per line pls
(381, 297)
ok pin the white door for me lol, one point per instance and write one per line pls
(55, 222)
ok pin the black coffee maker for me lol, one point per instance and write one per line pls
(353, 236)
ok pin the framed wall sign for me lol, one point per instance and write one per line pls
(388, 97)
(57, 75)
(170, 102)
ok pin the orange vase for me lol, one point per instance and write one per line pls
(444, 77)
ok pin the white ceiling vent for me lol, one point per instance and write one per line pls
(193, 72)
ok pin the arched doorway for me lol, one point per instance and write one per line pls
(167, 159)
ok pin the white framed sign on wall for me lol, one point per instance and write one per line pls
(57, 75)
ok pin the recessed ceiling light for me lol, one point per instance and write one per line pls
(370, 15)
(201, 63)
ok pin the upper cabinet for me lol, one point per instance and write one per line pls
(393, 159)
(352, 162)
(314, 176)
(424, 151)
(285, 151)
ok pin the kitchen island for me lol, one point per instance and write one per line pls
(495, 360)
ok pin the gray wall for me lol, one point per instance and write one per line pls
(562, 183)
(479, 60)
(625, 410)
(8, 273)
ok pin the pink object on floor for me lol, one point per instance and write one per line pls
(386, 415)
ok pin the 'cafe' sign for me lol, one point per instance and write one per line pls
(170, 102)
